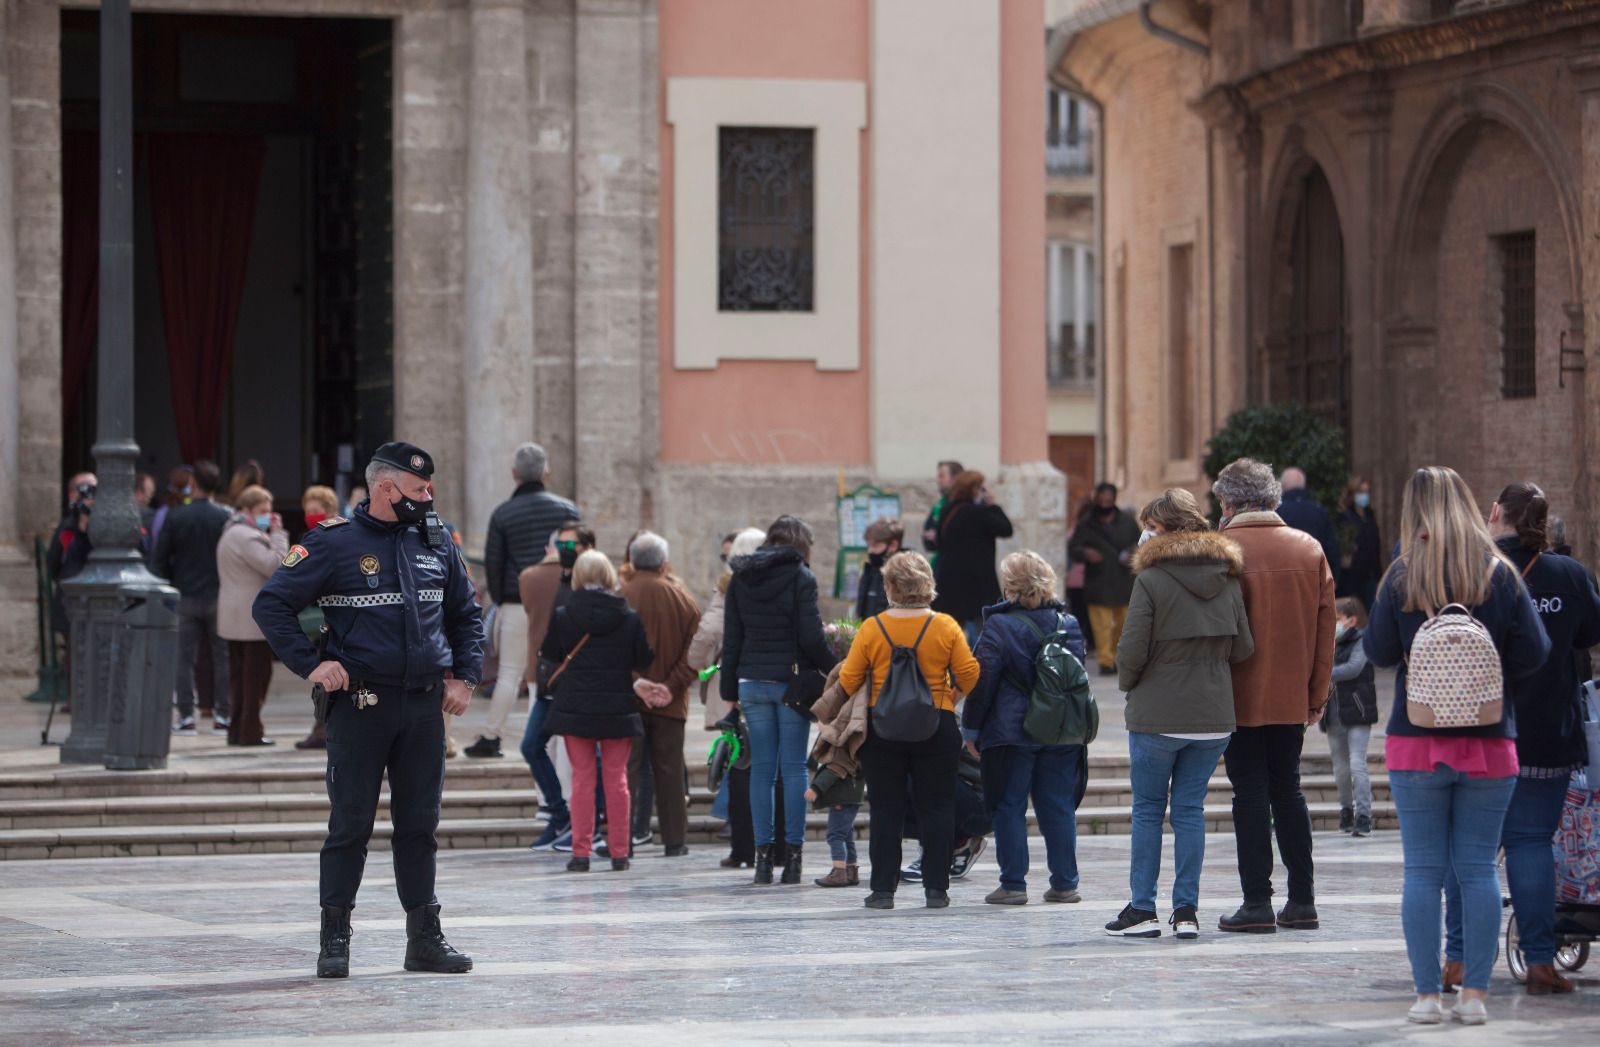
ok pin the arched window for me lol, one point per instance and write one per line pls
(1312, 357)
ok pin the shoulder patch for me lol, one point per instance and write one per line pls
(334, 521)
(296, 554)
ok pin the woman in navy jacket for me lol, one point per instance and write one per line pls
(1451, 786)
(1550, 743)
(1013, 766)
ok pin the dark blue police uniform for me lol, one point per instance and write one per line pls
(400, 614)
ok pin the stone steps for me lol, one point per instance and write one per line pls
(467, 833)
(459, 804)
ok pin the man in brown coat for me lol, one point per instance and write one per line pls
(1277, 692)
(670, 616)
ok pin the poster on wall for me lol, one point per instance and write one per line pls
(857, 509)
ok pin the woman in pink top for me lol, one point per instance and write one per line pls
(1451, 786)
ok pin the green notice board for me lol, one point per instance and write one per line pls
(857, 509)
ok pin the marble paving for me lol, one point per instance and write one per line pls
(220, 950)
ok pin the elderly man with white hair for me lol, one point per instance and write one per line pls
(1277, 692)
(670, 617)
(1302, 512)
(520, 529)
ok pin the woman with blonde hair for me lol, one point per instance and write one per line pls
(1186, 630)
(598, 645)
(252, 545)
(1015, 767)
(1451, 785)
(942, 655)
(319, 503)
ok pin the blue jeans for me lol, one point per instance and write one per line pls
(842, 832)
(535, 742)
(1448, 820)
(1531, 821)
(719, 804)
(1048, 773)
(1179, 768)
(779, 739)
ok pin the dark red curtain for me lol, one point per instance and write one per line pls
(80, 263)
(203, 200)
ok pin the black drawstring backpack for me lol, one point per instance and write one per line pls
(904, 711)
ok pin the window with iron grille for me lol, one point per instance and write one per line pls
(1518, 343)
(765, 219)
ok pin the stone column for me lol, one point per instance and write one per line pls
(1586, 540)
(616, 356)
(498, 383)
(17, 646)
(1080, 310)
(1377, 429)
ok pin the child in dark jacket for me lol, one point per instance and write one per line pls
(1349, 719)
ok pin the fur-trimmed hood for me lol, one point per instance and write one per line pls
(1201, 561)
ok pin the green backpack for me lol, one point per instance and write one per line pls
(1061, 708)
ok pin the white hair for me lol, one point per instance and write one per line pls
(377, 472)
(1293, 479)
(648, 551)
(746, 542)
(530, 463)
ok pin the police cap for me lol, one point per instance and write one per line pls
(408, 458)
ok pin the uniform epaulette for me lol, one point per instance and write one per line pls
(334, 521)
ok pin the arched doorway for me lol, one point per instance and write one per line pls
(1309, 356)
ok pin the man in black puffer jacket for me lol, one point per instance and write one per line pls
(519, 531)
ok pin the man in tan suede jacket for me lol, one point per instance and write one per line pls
(1277, 692)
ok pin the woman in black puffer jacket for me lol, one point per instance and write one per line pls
(771, 627)
(599, 644)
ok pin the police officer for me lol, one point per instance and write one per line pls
(404, 646)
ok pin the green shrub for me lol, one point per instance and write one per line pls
(1283, 435)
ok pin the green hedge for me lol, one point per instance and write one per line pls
(1283, 435)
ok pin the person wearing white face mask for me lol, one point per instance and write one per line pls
(252, 545)
(1365, 556)
(1352, 711)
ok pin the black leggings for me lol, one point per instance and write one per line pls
(931, 766)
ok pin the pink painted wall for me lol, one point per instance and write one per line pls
(1023, 427)
(747, 410)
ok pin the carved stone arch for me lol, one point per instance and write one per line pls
(1304, 354)
(1412, 261)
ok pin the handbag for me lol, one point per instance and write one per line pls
(805, 685)
(551, 683)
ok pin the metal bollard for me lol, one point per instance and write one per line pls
(144, 666)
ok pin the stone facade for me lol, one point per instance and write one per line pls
(1434, 136)
(532, 254)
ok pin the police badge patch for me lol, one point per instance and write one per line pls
(296, 554)
(369, 567)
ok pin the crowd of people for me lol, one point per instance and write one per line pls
(1229, 642)
(217, 545)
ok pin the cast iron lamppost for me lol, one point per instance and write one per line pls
(99, 673)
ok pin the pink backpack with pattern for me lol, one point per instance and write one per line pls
(1453, 675)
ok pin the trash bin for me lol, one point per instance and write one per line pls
(144, 663)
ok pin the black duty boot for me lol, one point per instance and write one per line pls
(791, 869)
(333, 960)
(763, 865)
(426, 949)
(1299, 916)
(1251, 918)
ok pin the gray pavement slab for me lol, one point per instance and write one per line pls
(220, 950)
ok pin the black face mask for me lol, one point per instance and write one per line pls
(568, 557)
(878, 559)
(410, 511)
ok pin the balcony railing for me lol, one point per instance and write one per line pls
(1070, 366)
(1069, 159)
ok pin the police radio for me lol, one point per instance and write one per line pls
(433, 530)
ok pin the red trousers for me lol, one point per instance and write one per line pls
(614, 753)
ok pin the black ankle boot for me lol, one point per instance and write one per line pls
(791, 869)
(333, 960)
(426, 949)
(763, 865)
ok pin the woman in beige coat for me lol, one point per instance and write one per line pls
(253, 543)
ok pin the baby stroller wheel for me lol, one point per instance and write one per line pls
(1515, 961)
(1573, 957)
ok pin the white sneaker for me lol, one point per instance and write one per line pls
(184, 727)
(1426, 1012)
(220, 725)
(1470, 1012)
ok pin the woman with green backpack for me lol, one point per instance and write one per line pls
(1030, 626)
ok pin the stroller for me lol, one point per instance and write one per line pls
(1577, 858)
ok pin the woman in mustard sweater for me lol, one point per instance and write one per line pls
(942, 653)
